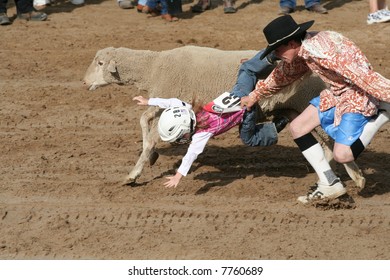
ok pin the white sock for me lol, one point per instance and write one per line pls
(316, 157)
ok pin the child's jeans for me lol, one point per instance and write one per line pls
(252, 134)
(250, 71)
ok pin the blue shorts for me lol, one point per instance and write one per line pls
(349, 129)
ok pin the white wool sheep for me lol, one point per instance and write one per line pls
(179, 72)
(189, 70)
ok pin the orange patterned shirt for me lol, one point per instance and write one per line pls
(353, 85)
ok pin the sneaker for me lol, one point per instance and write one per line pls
(317, 8)
(125, 4)
(228, 7)
(285, 10)
(282, 118)
(33, 16)
(4, 19)
(77, 2)
(280, 122)
(324, 191)
(378, 17)
(384, 12)
(229, 10)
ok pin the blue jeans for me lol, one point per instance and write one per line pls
(174, 7)
(154, 3)
(248, 74)
(293, 3)
(252, 134)
(22, 6)
(250, 71)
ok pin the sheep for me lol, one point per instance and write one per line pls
(183, 71)
(176, 72)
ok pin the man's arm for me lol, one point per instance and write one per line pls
(283, 75)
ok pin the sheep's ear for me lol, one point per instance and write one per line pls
(112, 66)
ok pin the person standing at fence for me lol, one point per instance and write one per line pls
(24, 9)
(288, 6)
(378, 12)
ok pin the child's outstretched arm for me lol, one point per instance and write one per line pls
(160, 102)
(141, 100)
(199, 141)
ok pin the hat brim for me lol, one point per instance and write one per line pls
(302, 28)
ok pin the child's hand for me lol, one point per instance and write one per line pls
(173, 181)
(141, 100)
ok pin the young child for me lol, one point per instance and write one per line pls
(182, 123)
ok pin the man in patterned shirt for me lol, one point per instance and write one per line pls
(347, 110)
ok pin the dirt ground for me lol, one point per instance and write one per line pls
(66, 150)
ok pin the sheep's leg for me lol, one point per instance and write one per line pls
(355, 173)
(150, 138)
(329, 155)
(351, 167)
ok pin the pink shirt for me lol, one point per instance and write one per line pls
(218, 123)
(354, 86)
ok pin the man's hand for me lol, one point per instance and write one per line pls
(247, 102)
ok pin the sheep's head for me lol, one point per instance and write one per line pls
(102, 71)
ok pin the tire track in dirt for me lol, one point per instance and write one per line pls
(122, 217)
(122, 228)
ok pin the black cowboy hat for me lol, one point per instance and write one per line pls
(281, 30)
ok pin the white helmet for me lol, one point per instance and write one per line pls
(174, 122)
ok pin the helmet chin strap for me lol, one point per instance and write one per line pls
(192, 129)
(181, 140)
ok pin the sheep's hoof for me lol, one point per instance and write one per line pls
(361, 183)
(129, 182)
(153, 158)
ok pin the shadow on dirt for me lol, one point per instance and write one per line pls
(240, 162)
